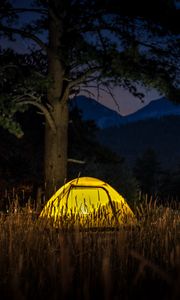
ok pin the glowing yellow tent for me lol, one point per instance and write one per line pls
(88, 202)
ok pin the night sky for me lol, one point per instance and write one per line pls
(125, 104)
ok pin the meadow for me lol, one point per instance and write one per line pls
(141, 261)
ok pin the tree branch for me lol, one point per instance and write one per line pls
(83, 76)
(11, 11)
(23, 10)
(77, 81)
(76, 161)
(54, 16)
(24, 34)
(25, 101)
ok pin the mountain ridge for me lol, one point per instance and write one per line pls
(105, 117)
(154, 126)
(155, 109)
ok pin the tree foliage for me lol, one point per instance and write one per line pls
(102, 42)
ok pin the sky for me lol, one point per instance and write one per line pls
(125, 103)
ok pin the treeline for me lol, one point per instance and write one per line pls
(21, 162)
(133, 139)
(154, 180)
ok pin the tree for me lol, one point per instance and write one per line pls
(79, 43)
(169, 189)
(147, 172)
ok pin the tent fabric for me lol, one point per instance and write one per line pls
(89, 202)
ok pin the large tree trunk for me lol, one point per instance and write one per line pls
(56, 142)
(56, 150)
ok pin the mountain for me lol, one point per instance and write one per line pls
(93, 110)
(105, 117)
(155, 126)
(154, 110)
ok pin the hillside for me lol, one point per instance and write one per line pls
(154, 126)
(132, 139)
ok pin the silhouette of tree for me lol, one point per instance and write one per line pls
(147, 172)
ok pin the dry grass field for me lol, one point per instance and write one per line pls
(135, 262)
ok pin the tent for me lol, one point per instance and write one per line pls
(88, 202)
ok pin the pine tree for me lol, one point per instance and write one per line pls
(75, 44)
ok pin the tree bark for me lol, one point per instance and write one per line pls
(56, 142)
(56, 150)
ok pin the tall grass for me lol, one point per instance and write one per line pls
(136, 262)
